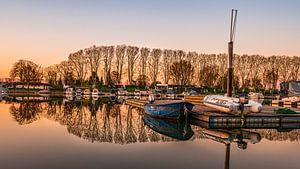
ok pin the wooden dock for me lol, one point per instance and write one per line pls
(287, 104)
(266, 119)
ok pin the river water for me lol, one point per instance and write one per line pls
(98, 134)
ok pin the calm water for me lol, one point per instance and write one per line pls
(95, 134)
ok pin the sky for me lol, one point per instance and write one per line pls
(45, 32)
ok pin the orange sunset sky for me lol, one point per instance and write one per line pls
(45, 32)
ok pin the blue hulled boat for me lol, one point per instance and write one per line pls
(174, 109)
(176, 129)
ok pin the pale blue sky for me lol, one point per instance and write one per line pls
(47, 31)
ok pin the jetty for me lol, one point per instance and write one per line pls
(267, 118)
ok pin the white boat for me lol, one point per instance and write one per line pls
(87, 92)
(230, 104)
(3, 89)
(95, 92)
(292, 99)
(137, 93)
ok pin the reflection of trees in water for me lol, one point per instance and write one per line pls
(25, 113)
(118, 136)
(130, 134)
(273, 134)
(95, 121)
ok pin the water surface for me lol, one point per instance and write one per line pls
(96, 134)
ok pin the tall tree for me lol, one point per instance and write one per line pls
(26, 71)
(107, 55)
(120, 55)
(132, 56)
(93, 55)
(182, 72)
(143, 65)
(166, 64)
(154, 63)
(79, 62)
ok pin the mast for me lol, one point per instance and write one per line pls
(230, 52)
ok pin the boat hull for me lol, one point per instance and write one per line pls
(175, 129)
(173, 110)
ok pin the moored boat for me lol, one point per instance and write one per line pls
(78, 92)
(174, 109)
(230, 104)
(87, 92)
(45, 92)
(95, 92)
(70, 91)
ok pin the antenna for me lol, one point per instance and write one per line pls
(230, 52)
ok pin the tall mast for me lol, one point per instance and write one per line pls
(230, 52)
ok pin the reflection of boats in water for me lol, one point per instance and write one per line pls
(180, 130)
(168, 108)
(45, 92)
(87, 92)
(95, 92)
(241, 137)
(112, 95)
(70, 91)
(31, 99)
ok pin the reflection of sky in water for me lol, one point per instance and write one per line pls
(52, 141)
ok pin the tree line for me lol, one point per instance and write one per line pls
(123, 64)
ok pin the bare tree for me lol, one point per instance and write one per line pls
(79, 62)
(93, 55)
(166, 64)
(26, 71)
(107, 55)
(132, 56)
(120, 54)
(143, 64)
(154, 63)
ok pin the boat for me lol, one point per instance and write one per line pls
(170, 94)
(255, 96)
(290, 91)
(87, 92)
(144, 92)
(95, 92)
(45, 92)
(230, 104)
(179, 130)
(70, 91)
(3, 89)
(137, 92)
(173, 109)
(112, 95)
(78, 92)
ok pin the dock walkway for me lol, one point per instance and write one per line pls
(266, 119)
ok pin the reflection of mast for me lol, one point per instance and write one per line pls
(226, 137)
(227, 156)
